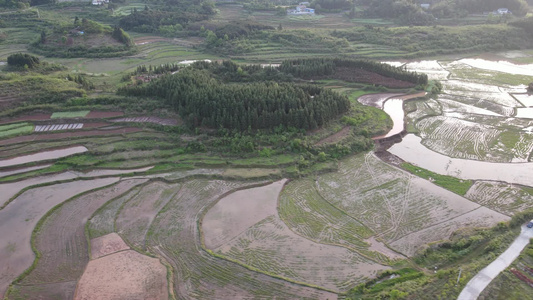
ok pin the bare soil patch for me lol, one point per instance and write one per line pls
(150, 39)
(124, 275)
(53, 291)
(336, 137)
(36, 117)
(155, 120)
(107, 244)
(364, 76)
(18, 220)
(66, 135)
(104, 114)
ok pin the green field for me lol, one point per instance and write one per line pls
(69, 114)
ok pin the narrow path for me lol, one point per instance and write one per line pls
(477, 284)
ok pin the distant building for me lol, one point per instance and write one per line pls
(502, 11)
(301, 10)
(425, 6)
(304, 3)
(100, 2)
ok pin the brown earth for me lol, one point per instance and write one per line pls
(66, 135)
(36, 117)
(334, 138)
(149, 39)
(126, 275)
(376, 100)
(107, 244)
(364, 76)
(103, 114)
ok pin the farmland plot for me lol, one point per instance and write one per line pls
(306, 213)
(501, 197)
(136, 215)
(261, 240)
(480, 91)
(393, 203)
(103, 220)
(199, 275)
(430, 67)
(42, 156)
(18, 219)
(61, 239)
(458, 138)
(122, 274)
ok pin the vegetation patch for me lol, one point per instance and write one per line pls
(69, 114)
(458, 186)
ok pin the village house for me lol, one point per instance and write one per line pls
(301, 9)
(100, 2)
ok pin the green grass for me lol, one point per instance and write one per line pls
(15, 129)
(69, 114)
(450, 183)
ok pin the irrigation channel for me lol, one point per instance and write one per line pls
(499, 103)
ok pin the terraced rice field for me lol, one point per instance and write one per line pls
(395, 205)
(245, 227)
(482, 113)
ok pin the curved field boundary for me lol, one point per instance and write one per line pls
(44, 156)
(33, 212)
(185, 209)
(66, 135)
(155, 120)
(66, 251)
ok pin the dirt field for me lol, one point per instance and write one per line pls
(155, 120)
(103, 114)
(36, 117)
(364, 76)
(124, 275)
(107, 244)
(335, 137)
(18, 219)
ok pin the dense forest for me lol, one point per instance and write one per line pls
(242, 97)
(308, 68)
(203, 100)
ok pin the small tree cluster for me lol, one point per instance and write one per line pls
(23, 60)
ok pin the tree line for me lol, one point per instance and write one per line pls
(308, 68)
(203, 100)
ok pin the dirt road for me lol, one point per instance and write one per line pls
(477, 284)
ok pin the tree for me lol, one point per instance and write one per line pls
(43, 37)
(280, 28)
(530, 87)
(76, 21)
